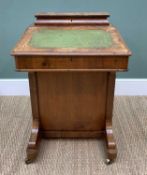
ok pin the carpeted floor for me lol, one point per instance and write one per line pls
(74, 157)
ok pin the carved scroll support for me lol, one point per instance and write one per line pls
(35, 133)
(33, 142)
(110, 141)
(111, 145)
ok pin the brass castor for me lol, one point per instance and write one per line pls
(108, 161)
(28, 161)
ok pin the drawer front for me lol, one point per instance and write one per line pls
(32, 63)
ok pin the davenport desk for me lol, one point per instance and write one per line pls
(71, 60)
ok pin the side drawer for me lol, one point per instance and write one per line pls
(45, 63)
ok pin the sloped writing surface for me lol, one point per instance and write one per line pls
(48, 38)
(57, 40)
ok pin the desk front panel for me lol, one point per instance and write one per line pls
(50, 63)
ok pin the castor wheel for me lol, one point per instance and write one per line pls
(108, 161)
(30, 155)
(28, 161)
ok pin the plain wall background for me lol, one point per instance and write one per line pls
(128, 15)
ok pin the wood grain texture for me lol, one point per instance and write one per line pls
(72, 134)
(40, 63)
(31, 151)
(110, 141)
(71, 14)
(72, 89)
(77, 98)
(49, 19)
(119, 48)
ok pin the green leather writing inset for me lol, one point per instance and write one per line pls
(46, 38)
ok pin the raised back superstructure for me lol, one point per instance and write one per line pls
(47, 19)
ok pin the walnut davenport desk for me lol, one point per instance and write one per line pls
(71, 60)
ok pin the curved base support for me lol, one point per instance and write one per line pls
(111, 145)
(31, 155)
(33, 142)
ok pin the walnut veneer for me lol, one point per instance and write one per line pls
(71, 89)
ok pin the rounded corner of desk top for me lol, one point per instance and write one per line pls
(46, 40)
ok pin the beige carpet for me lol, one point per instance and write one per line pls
(74, 157)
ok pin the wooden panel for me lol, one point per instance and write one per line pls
(34, 94)
(54, 63)
(72, 101)
(72, 134)
(46, 19)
